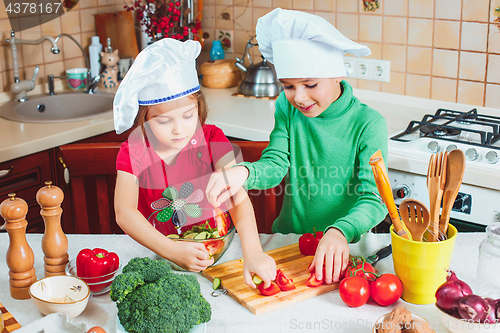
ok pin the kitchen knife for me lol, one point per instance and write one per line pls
(381, 254)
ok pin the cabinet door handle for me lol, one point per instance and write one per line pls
(4, 173)
(66, 171)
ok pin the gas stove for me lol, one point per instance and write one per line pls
(477, 135)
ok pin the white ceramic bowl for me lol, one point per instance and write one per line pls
(44, 292)
(379, 321)
(456, 325)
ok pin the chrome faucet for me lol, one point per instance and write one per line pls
(20, 88)
(91, 82)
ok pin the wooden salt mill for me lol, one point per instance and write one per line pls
(54, 241)
(20, 258)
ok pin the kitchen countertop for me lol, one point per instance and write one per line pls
(251, 119)
(327, 311)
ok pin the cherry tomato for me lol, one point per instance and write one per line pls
(283, 281)
(354, 291)
(272, 290)
(386, 290)
(367, 267)
(313, 282)
(96, 329)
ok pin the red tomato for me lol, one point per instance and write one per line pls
(272, 290)
(386, 290)
(283, 281)
(96, 329)
(313, 282)
(214, 246)
(354, 291)
(367, 267)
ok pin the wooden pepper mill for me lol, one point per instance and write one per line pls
(54, 241)
(20, 258)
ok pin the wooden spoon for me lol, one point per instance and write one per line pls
(455, 169)
(415, 215)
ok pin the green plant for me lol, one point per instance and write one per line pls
(151, 298)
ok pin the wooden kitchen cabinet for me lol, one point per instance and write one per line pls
(24, 177)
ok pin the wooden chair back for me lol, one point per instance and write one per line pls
(92, 169)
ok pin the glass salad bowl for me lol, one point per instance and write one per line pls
(98, 285)
(215, 232)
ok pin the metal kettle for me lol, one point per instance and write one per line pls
(260, 79)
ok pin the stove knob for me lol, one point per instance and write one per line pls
(433, 147)
(402, 192)
(472, 154)
(451, 147)
(492, 157)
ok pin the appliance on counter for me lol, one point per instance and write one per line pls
(260, 79)
(478, 201)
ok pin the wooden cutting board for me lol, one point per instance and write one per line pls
(120, 28)
(10, 322)
(290, 260)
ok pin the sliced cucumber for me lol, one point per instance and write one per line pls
(215, 234)
(173, 236)
(217, 283)
(190, 236)
(202, 235)
(257, 280)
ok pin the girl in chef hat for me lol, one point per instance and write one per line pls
(321, 143)
(164, 166)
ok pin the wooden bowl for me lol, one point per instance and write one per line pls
(219, 74)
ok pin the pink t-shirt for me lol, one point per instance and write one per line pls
(194, 165)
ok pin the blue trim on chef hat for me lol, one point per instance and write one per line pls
(169, 98)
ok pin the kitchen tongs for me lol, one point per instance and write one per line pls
(384, 188)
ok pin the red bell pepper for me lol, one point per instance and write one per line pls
(283, 281)
(95, 265)
(273, 289)
(308, 243)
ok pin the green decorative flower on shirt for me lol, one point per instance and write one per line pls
(177, 205)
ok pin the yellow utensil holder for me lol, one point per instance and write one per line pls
(421, 266)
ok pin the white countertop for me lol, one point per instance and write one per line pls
(323, 313)
(250, 119)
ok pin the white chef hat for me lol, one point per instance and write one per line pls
(302, 45)
(164, 71)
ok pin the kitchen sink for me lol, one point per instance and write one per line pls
(63, 107)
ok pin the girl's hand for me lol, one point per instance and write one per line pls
(261, 264)
(191, 256)
(333, 253)
(225, 183)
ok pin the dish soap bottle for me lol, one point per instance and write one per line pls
(216, 52)
(94, 49)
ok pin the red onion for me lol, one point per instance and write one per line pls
(473, 307)
(491, 316)
(449, 293)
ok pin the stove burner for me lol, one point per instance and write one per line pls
(468, 119)
(439, 132)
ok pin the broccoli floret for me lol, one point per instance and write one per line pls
(164, 302)
(124, 284)
(151, 270)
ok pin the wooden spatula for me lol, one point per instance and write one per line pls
(455, 169)
(415, 216)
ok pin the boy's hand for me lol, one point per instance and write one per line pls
(261, 264)
(192, 256)
(224, 184)
(333, 253)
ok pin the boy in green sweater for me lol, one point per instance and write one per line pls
(321, 143)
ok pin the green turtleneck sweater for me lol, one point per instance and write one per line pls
(325, 162)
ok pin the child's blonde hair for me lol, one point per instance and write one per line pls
(140, 119)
